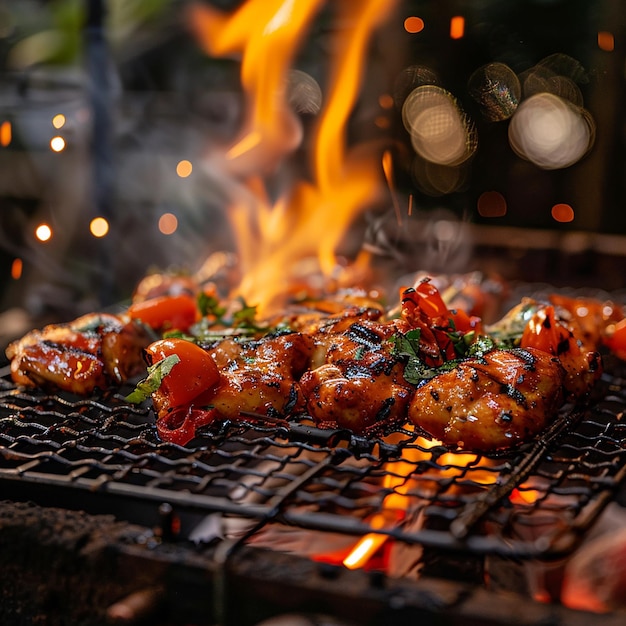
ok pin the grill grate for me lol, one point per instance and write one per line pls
(536, 502)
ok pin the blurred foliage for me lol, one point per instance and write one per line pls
(50, 33)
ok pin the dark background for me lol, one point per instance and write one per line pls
(139, 96)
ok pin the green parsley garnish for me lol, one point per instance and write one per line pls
(156, 374)
(210, 305)
(481, 345)
(406, 346)
(216, 315)
(245, 317)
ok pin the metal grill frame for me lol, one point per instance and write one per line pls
(103, 455)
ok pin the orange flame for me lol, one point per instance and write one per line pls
(266, 33)
(398, 480)
(313, 217)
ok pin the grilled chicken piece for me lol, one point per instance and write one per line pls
(259, 376)
(93, 351)
(493, 402)
(353, 398)
(591, 318)
(358, 382)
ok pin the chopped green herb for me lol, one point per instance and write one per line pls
(179, 334)
(481, 346)
(156, 374)
(406, 346)
(416, 371)
(245, 316)
(210, 305)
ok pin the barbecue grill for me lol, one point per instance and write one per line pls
(240, 487)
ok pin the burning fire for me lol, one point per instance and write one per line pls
(404, 494)
(311, 218)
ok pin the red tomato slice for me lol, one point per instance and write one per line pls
(166, 312)
(546, 333)
(179, 425)
(430, 300)
(616, 340)
(195, 373)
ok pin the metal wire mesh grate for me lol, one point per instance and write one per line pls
(536, 501)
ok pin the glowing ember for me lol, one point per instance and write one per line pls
(311, 218)
(404, 497)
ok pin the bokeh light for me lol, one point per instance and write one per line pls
(413, 24)
(43, 232)
(440, 132)
(385, 101)
(438, 180)
(5, 133)
(184, 168)
(168, 223)
(57, 144)
(17, 268)
(563, 212)
(409, 79)
(606, 41)
(550, 132)
(558, 74)
(491, 204)
(382, 122)
(58, 121)
(99, 227)
(457, 27)
(497, 90)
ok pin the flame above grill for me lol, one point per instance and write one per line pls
(311, 216)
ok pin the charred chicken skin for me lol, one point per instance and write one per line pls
(358, 381)
(506, 397)
(260, 377)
